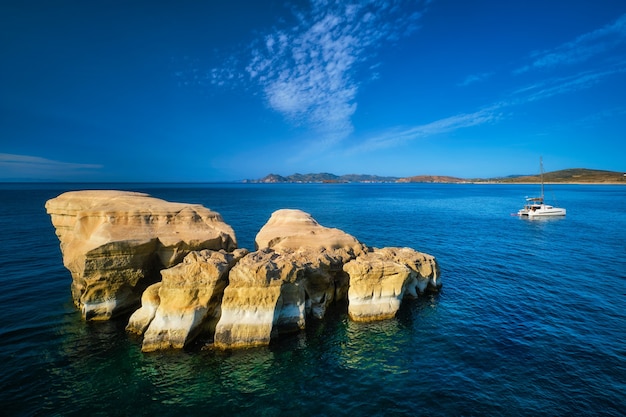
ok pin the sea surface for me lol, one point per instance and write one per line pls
(531, 320)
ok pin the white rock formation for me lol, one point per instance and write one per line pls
(189, 300)
(381, 278)
(115, 243)
(118, 244)
(264, 298)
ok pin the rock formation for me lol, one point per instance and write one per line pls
(118, 244)
(380, 279)
(187, 301)
(115, 243)
(263, 298)
(295, 229)
(296, 272)
(142, 317)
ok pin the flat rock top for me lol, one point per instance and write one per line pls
(103, 200)
(110, 215)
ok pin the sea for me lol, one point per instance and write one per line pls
(531, 319)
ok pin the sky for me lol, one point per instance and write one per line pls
(203, 91)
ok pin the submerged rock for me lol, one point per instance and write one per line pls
(114, 243)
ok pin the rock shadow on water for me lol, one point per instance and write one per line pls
(413, 310)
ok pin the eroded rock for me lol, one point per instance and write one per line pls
(289, 229)
(114, 243)
(190, 297)
(140, 320)
(381, 278)
(263, 298)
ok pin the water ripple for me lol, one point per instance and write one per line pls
(529, 322)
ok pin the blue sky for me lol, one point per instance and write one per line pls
(220, 91)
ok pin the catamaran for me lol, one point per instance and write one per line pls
(536, 207)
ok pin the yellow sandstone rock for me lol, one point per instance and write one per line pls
(141, 318)
(265, 297)
(117, 244)
(190, 297)
(295, 229)
(114, 243)
(380, 279)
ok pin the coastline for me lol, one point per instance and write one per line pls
(547, 183)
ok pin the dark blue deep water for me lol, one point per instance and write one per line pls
(531, 320)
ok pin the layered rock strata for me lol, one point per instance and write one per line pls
(296, 272)
(294, 229)
(118, 244)
(186, 302)
(263, 298)
(381, 278)
(114, 243)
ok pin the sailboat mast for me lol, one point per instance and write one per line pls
(541, 170)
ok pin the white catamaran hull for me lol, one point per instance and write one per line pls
(543, 212)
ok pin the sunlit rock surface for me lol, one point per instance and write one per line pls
(376, 287)
(182, 261)
(114, 243)
(296, 272)
(141, 318)
(263, 298)
(190, 297)
(294, 229)
(381, 278)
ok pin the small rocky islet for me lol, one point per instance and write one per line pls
(178, 269)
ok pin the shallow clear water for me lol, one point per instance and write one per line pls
(530, 320)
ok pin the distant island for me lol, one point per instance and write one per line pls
(565, 176)
(323, 178)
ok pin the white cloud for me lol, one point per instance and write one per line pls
(475, 78)
(581, 49)
(397, 137)
(307, 72)
(34, 167)
(493, 113)
(566, 84)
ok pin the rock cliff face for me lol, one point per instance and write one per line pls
(264, 296)
(115, 243)
(380, 279)
(186, 302)
(183, 259)
(302, 268)
(296, 272)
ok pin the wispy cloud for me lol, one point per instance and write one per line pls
(566, 84)
(490, 114)
(396, 137)
(307, 72)
(475, 78)
(581, 49)
(34, 167)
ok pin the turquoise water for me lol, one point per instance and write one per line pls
(530, 321)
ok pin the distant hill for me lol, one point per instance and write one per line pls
(432, 178)
(322, 178)
(575, 175)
